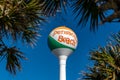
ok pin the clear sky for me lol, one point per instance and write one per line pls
(43, 65)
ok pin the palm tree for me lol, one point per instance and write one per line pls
(96, 10)
(106, 62)
(19, 20)
(86, 10)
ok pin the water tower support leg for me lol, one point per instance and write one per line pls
(62, 67)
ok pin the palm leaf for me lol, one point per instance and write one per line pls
(13, 56)
(93, 11)
(116, 37)
(19, 20)
(19, 16)
(30, 36)
(106, 64)
(50, 7)
(88, 11)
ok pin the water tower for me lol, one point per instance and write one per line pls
(62, 41)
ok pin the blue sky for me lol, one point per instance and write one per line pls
(43, 65)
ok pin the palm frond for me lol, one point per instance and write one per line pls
(116, 37)
(93, 11)
(13, 56)
(106, 64)
(30, 36)
(88, 11)
(50, 7)
(19, 20)
(20, 15)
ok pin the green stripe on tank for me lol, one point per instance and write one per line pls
(53, 44)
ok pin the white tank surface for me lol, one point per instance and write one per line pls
(62, 41)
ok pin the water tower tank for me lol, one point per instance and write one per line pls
(62, 41)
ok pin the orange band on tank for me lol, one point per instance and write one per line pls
(63, 27)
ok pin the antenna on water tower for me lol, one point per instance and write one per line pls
(62, 41)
